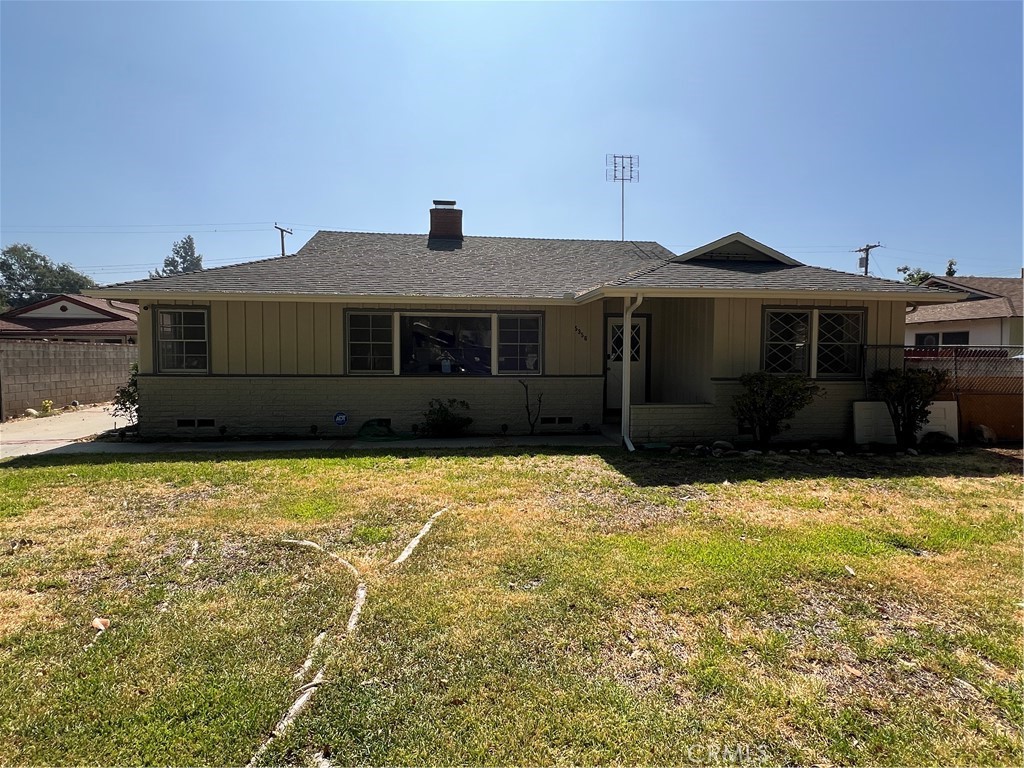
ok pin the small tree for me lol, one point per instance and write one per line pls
(183, 258)
(531, 417)
(906, 394)
(769, 401)
(126, 397)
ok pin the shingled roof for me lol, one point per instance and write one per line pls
(387, 265)
(991, 297)
(715, 274)
(374, 265)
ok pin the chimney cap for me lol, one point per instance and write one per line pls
(444, 203)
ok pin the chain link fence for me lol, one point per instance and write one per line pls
(986, 382)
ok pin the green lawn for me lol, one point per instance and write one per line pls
(568, 607)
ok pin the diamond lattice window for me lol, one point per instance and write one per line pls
(615, 356)
(839, 340)
(786, 341)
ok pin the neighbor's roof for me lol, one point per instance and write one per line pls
(112, 318)
(992, 297)
(70, 327)
(370, 264)
(112, 309)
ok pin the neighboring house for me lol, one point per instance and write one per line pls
(358, 326)
(991, 315)
(73, 318)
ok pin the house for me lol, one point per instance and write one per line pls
(73, 318)
(991, 315)
(358, 326)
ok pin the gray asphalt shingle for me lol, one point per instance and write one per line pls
(370, 264)
(363, 264)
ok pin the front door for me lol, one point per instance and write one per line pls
(614, 363)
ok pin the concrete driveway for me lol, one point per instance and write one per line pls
(27, 436)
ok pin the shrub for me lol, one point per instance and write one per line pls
(906, 394)
(769, 401)
(126, 398)
(46, 407)
(442, 418)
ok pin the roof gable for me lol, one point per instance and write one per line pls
(736, 247)
(1009, 288)
(74, 308)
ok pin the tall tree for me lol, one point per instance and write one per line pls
(916, 275)
(183, 258)
(27, 276)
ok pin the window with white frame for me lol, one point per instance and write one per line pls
(182, 340)
(821, 343)
(370, 343)
(436, 343)
(519, 344)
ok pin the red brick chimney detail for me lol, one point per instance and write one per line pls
(446, 223)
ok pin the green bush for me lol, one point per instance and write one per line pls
(906, 394)
(126, 398)
(769, 401)
(443, 418)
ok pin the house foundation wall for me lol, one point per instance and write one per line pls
(292, 405)
(33, 371)
(827, 418)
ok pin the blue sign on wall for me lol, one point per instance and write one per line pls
(341, 418)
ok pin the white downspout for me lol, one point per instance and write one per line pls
(627, 371)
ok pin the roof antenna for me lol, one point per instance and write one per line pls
(283, 231)
(622, 168)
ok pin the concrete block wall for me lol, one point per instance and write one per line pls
(33, 371)
(827, 418)
(290, 405)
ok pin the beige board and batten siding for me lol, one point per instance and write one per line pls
(273, 338)
(737, 328)
(682, 335)
(703, 411)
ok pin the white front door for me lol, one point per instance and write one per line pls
(637, 363)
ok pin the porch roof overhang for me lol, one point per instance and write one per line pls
(911, 297)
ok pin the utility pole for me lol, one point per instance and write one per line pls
(283, 231)
(866, 250)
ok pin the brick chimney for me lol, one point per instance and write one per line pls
(445, 220)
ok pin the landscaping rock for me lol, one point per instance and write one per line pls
(753, 452)
(805, 451)
(733, 452)
(723, 445)
(938, 442)
(717, 453)
(31, 412)
(911, 452)
(984, 434)
(840, 454)
(823, 452)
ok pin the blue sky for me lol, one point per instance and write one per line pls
(815, 127)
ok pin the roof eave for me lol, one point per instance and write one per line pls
(158, 296)
(753, 293)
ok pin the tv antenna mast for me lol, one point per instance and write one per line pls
(622, 168)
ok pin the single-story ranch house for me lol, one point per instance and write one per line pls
(376, 325)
